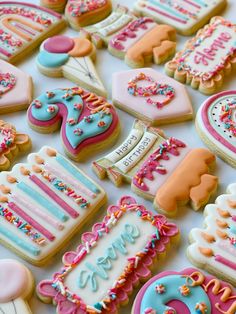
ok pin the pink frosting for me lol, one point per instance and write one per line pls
(59, 44)
(214, 298)
(13, 280)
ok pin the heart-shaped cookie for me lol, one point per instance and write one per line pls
(216, 124)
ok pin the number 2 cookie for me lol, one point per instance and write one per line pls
(216, 124)
(87, 122)
(207, 58)
(23, 26)
(213, 247)
(151, 96)
(187, 16)
(188, 291)
(112, 258)
(16, 286)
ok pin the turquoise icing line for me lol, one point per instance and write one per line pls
(172, 283)
(76, 173)
(52, 60)
(232, 228)
(168, 9)
(22, 244)
(42, 201)
(200, 2)
(103, 263)
(89, 129)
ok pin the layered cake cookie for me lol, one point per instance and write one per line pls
(23, 26)
(213, 247)
(43, 203)
(110, 260)
(87, 122)
(216, 125)
(207, 58)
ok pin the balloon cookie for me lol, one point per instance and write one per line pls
(72, 58)
(16, 88)
(12, 144)
(151, 96)
(216, 125)
(43, 203)
(188, 291)
(80, 13)
(214, 246)
(89, 122)
(207, 58)
(186, 16)
(165, 170)
(16, 287)
(110, 261)
(23, 26)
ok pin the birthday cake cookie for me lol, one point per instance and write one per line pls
(88, 122)
(43, 203)
(23, 26)
(110, 260)
(214, 247)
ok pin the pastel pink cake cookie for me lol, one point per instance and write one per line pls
(213, 247)
(111, 259)
(207, 58)
(16, 88)
(87, 122)
(16, 286)
(43, 203)
(23, 26)
(216, 125)
(151, 96)
(72, 58)
(143, 41)
(80, 13)
(188, 291)
(187, 16)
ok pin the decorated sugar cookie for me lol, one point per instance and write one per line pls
(216, 124)
(89, 122)
(187, 16)
(23, 26)
(110, 260)
(151, 96)
(80, 13)
(16, 286)
(15, 88)
(214, 246)
(165, 170)
(188, 291)
(55, 5)
(207, 57)
(43, 203)
(72, 58)
(12, 144)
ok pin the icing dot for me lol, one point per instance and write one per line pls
(201, 308)
(160, 289)
(184, 290)
(101, 124)
(59, 44)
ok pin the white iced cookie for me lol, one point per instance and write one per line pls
(16, 285)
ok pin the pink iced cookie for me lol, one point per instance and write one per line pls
(16, 88)
(16, 284)
(112, 258)
(151, 96)
(189, 291)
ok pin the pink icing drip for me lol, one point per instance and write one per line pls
(207, 123)
(5, 52)
(31, 221)
(225, 261)
(73, 213)
(23, 202)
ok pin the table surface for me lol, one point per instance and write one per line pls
(187, 219)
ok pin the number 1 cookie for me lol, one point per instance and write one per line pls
(72, 58)
(87, 122)
(23, 26)
(207, 58)
(216, 125)
(16, 286)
